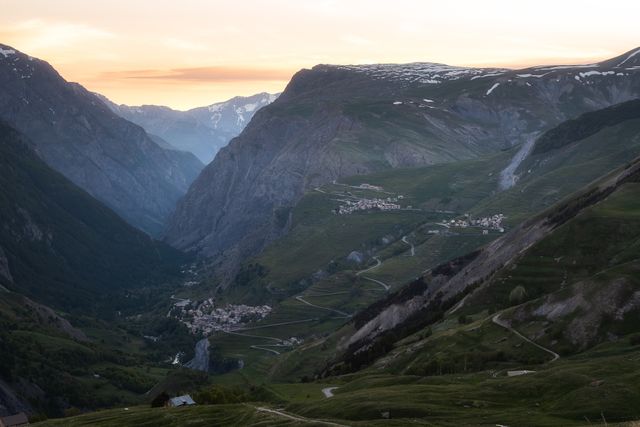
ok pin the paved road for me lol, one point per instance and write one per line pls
(315, 319)
(378, 264)
(326, 294)
(297, 417)
(413, 249)
(262, 347)
(343, 315)
(304, 301)
(253, 336)
(328, 392)
(502, 323)
(384, 285)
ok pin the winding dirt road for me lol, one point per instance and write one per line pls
(304, 301)
(297, 418)
(342, 314)
(502, 323)
(378, 264)
(413, 249)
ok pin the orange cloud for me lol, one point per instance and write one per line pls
(202, 74)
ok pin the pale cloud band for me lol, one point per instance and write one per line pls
(195, 52)
(202, 74)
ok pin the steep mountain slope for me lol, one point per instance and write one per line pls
(556, 325)
(76, 134)
(540, 327)
(586, 235)
(330, 267)
(201, 131)
(60, 246)
(336, 121)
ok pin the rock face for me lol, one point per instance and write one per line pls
(355, 256)
(5, 272)
(62, 247)
(202, 131)
(336, 121)
(76, 134)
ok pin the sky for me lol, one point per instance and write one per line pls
(190, 53)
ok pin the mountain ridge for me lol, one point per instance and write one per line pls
(336, 121)
(76, 134)
(201, 131)
(59, 245)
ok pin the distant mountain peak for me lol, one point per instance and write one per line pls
(76, 134)
(202, 130)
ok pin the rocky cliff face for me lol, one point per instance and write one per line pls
(61, 246)
(201, 131)
(335, 121)
(5, 271)
(76, 134)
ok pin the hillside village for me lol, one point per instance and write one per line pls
(350, 206)
(205, 318)
(493, 222)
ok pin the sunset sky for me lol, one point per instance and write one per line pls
(190, 53)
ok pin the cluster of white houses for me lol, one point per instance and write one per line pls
(349, 207)
(206, 318)
(493, 222)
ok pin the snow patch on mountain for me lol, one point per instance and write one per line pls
(527, 75)
(492, 88)
(420, 72)
(201, 131)
(629, 57)
(596, 73)
(487, 75)
(7, 52)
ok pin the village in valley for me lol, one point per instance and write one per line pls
(205, 318)
(352, 203)
(493, 222)
(350, 206)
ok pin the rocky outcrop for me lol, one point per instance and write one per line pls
(62, 247)
(335, 121)
(76, 134)
(11, 402)
(5, 272)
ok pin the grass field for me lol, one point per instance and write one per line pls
(602, 384)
